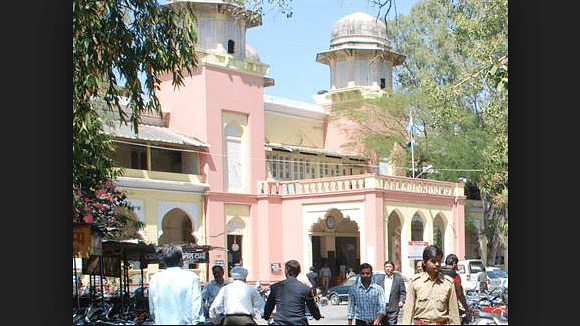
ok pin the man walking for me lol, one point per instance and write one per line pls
(325, 275)
(395, 293)
(450, 269)
(431, 298)
(237, 303)
(174, 293)
(211, 289)
(366, 300)
(290, 297)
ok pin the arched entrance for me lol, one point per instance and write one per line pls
(336, 242)
(177, 228)
(235, 230)
(394, 239)
(439, 233)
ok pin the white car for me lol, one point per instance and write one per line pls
(469, 271)
(497, 277)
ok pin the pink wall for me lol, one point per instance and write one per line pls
(459, 226)
(235, 92)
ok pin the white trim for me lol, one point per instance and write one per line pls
(149, 184)
(311, 214)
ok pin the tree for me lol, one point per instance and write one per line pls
(113, 43)
(116, 44)
(456, 71)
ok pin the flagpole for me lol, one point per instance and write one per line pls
(412, 149)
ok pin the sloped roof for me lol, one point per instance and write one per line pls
(153, 134)
(310, 150)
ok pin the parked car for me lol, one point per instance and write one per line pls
(339, 293)
(469, 271)
(497, 277)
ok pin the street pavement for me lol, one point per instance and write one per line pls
(333, 315)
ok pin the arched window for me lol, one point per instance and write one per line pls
(233, 154)
(439, 232)
(394, 240)
(417, 228)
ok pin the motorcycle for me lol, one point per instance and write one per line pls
(487, 308)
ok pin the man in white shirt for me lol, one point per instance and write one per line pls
(395, 293)
(238, 302)
(174, 293)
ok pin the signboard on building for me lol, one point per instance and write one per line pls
(416, 249)
(86, 241)
(195, 256)
(276, 267)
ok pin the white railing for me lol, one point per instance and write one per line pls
(360, 182)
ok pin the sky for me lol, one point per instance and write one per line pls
(289, 45)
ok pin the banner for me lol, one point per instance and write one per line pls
(416, 249)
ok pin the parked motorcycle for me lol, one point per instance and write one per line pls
(487, 308)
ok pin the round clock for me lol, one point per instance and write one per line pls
(330, 222)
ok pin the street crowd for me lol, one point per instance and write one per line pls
(432, 298)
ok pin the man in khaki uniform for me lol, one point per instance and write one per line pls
(431, 298)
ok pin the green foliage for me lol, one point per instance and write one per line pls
(457, 67)
(113, 43)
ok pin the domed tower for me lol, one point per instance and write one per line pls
(360, 53)
(221, 26)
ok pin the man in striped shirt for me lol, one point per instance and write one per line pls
(366, 300)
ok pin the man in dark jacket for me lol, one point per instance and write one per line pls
(395, 293)
(290, 297)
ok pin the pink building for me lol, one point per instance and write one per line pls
(264, 178)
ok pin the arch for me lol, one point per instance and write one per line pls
(177, 228)
(335, 240)
(394, 229)
(418, 227)
(233, 129)
(235, 226)
(439, 226)
(235, 230)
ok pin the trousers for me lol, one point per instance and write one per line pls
(239, 320)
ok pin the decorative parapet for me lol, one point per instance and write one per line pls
(361, 182)
(228, 61)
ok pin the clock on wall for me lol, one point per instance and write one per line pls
(330, 222)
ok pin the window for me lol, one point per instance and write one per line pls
(233, 148)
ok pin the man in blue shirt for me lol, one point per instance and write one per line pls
(366, 300)
(211, 289)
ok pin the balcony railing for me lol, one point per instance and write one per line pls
(361, 182)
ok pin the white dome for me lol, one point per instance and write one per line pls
(359, 30)
(251, 54)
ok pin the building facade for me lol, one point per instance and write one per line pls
(262, 179)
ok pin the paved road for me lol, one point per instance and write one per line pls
(333, 315)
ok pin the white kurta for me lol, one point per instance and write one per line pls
(237, 298)
(175, 297)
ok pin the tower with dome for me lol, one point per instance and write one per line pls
(360, 54)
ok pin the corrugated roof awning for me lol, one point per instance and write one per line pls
(153, 134)
(310, 150)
